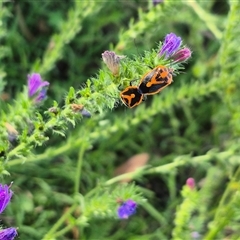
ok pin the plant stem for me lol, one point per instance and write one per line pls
(205, 17)
(50, 153)
(51, 232)
(182, 160)
(130, 175)
(224, 211)
(79, 168)
(76, 190)
(64, 230)
(155, 214)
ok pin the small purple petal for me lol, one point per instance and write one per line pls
(12, 137)
(35, 84)
(8, 233)
(127, 209)
(5, 197)
(182, 55)
(42, 95)
(171, 44)
(85, 113)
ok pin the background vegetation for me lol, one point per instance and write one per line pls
(191, 129)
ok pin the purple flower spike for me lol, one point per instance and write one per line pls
(127, 209)
(8, 233)
(112, 61)
(5, 197)
(171, 44)
(37, 87)
(182, 55)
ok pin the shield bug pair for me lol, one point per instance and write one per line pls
(151, 83)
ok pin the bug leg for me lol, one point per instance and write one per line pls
(119, 87)
(150, 67)
(144, 98)
(133, 82)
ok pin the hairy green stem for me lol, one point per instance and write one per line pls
(72, 26)
(50, 153)
(79, 169)
(173, 97)
(182, 160)
(205, 17)
(76, 190)
(155, 214)
(177, 162)
(58, 224)
(64, 230)
(224, 211)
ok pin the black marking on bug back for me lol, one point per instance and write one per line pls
(157, 79)
(156, 88)
(159, 76)
(131, 96)
(147, 78)
(157, 85)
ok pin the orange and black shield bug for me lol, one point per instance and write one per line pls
(131, 96)
(155, 80)
(151, 83)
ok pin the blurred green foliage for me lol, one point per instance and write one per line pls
(191, 129)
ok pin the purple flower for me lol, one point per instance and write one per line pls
(171, 44)
(8, 233)
(5, 197)
(127, 209)
(112, 61)
(182, 55)
(37, 87)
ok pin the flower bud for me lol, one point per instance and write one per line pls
(182, 55)
(8, 233)
(112, 61)
(127, 209)
(190, 183)
(37, 87)
(5, 196)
